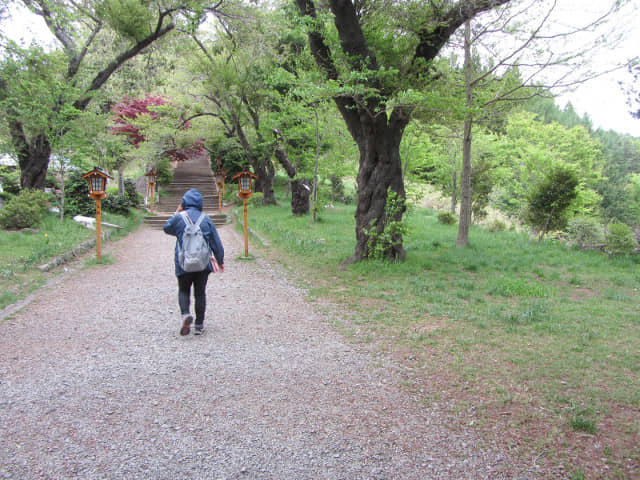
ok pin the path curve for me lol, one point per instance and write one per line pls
(271, 391)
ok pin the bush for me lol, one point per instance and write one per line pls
(25, 210)
(620, 240)
(131, 193)
(584, 232)
(256, 199)
(76, 196)
(10, 180)
(497, 225)
(118, 204)
(447, 218)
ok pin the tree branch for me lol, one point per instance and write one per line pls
(433, 38)
(104, 75)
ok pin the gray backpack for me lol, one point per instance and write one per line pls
(194, 255)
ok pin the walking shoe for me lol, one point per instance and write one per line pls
(198, 330)
(186, 325)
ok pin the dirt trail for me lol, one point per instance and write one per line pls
(108, 389)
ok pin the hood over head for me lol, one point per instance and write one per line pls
(192, 199)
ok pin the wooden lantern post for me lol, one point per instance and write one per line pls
(245, 179)
(220, 176)
(151, 175)
(97, 179)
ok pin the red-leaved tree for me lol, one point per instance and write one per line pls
(131, 109)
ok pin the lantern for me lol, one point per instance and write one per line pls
(220, 176)
(97, 180)
(245, 179)
(151, 175)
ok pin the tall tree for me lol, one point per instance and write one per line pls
(95, 40)
(535, 55)
(381, 51)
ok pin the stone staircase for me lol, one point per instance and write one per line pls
(193, 173)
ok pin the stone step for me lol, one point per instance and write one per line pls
(192, 173)
(158, 221)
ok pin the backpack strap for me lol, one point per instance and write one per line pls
(200, 218)
(187, 219)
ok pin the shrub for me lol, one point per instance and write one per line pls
(118, 204)
(620, 240)
(131, 193)
(383, 241)
(447, 218)
(548, 202)
(497, 225)
(76, 196)
(25, 210)
(10, 180)
(584, 232)
(256, 199)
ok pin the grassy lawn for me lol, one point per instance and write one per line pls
(534, 345)
(22, 251)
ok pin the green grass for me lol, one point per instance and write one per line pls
(22, 251)
(536, 321)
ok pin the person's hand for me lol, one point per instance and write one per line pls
(221, 268)
(179, 209)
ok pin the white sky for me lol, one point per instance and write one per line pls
(601, 99)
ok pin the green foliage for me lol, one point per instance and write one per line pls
(585, 232)
(130, 18)
(497, 225)
(122, 204)
(582, 423)
(549, 201)
(131, 193)
(256, 199)
(165, 174)
(77, 200)
(383, 239)
(25, 210)
(117, 204)
(482, 181)
(447, 218)
(620, 239)
(10, 179)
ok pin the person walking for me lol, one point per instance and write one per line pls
(189, 212)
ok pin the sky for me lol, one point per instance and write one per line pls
(602, 98)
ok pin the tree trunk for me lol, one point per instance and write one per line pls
(34, 162)
(264, 183)
(465, 202)
(380, 171)
(299, 188)
(300, 193)
(454, 192)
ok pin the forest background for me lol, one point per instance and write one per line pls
(383, 107)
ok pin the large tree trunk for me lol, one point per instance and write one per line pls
(377, 133)
(299, 188)
(265, 171)
(300, 193)
(33, 157)
(380, 171)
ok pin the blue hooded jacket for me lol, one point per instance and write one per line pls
(192, 204)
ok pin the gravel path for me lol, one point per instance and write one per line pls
(270, 391)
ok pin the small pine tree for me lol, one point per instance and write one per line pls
(547, 204)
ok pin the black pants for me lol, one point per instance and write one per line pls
(199, 281)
